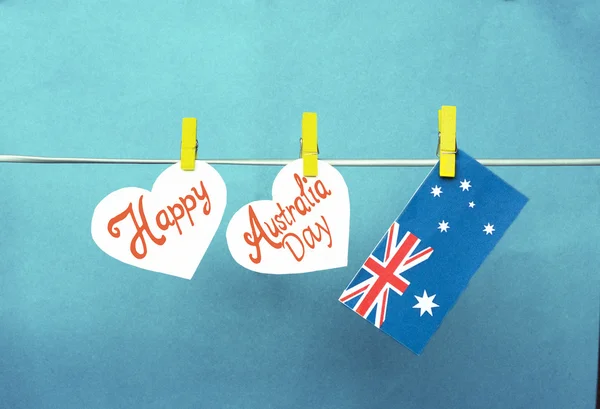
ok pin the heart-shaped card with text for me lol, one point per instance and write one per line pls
(305, 228)
(167, 230)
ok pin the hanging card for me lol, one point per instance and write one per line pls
(304, 228)
(425, 260)
(167, 230)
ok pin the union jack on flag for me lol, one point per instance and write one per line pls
(386, 274)
(404, 288)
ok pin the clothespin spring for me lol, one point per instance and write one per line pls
(195, 148)
(300, 155)
(437, 151)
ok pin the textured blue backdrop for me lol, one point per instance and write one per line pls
(113, 79)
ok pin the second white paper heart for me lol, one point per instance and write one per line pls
(305, 228)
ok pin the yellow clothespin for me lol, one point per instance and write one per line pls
(447, 148)
(309, 146)
(189, 144)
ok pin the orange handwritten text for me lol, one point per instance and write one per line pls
(274, 235)
(164, 219)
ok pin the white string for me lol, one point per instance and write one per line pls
(283, 162)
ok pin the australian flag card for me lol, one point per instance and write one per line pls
(425, 260)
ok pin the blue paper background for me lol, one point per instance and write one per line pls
(113, 79)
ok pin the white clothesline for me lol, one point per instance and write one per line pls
(278, 162)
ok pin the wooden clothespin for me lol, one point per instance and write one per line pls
(189, 144)
(447, 148)
(309, 146)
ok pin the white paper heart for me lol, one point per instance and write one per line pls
(305, 228)
(167, 230)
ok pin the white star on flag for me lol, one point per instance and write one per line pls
(465, 185)
(425, 303)
(471, 204)
(443, 226)
(488, 229)
(436, 191)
